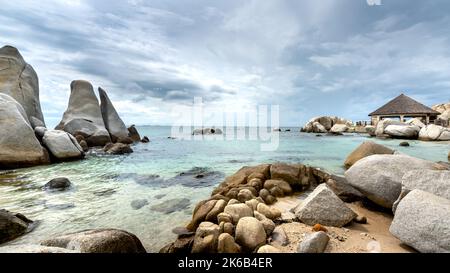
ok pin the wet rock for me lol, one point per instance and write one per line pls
(12, 225)
(422, 221)
(160, 196)
(139, 203)
(133, 133)
(283, 185)
(196, 177)
(98, 241)
(404, 144)
(60, 183)
(285, 172)
(206, 238)
(118, 149)
(238, 211)
(62, 145)
(171, 205)
(250, 233)
(323, 207)
(367, 148)
(145, 139)
(314, 243)
(227, 244)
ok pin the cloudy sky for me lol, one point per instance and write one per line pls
(328, 57)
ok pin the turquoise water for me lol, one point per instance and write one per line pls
(104, 186)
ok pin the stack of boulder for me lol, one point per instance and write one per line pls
(444, 117)
(325, 124)
(24, 138)
(239, 218)
(412, 129)
(417, 191)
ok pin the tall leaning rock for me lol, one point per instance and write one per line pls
(113, 123)
(83, 115)
(19, 145)
(19, 80)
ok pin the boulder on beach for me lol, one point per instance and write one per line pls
(20, 147)
(422, 221)
(436, 182)
(98, 241)
(62, 145)
(19, 80)
(402, 131)
(379, 177)
(314, 243)
(323, 207)
(250, 233)
(206, 238)
(12, 225)
(113, 123)
(83, 115)
(367, 148)
(343, 189)
(433, 132)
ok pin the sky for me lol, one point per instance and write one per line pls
(312, 58)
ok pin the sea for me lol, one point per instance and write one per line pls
(155, 189)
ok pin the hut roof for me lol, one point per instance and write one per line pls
(403, 105)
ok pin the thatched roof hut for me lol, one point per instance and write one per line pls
(404, 107)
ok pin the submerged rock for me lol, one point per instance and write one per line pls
(113, 123)
(422, 221)
(206, 238)
(323, 207)
(83, 115)
(19, 80)
(379, 177)
(12, 225)
(139, 203)
(18, 142)
(60, 183)
(433, 132)
(98, 241)
(117, 148)
(171, 205)
(402, 131)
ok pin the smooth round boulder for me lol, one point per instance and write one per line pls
(60, 183)
(270, 212)
(226, 244)
(238, 211)
(250, 233)
(113, 123)
(245, 195)
(118, 149)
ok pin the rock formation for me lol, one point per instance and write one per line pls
(19, 80)
(83, 115)
(113, 123)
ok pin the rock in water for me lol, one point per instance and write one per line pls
(98, 241)
(402, 131)
(19, 80)
(113, 123)
(83, 115)
(133, 133)
(433, 132)
(117, 148)
(343, 189)
(432, 181)
(422, 221)
(323, 207)
(250, 233)
(367, 148)
(145, 139)
(314, 243)
(62, 145)
(238, 211)
(206, 237)
(19, 145)
(379, 177)
(339, 128)
(60, 183)
(12, 225)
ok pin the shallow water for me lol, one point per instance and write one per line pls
(104, 186)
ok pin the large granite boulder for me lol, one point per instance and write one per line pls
(367, 148)
(325, 123)
(19, 145)
(436, 182)
(12, 225)
(402, 131)
(19, 80)
(98, 241)
(250, 233)
(62, 145)
(415, 121)
(382, 124)
(83, 115)
(379, 177)
(422, 221)
(433, 132)
(113, 123)
(339, 128)
(323, 207)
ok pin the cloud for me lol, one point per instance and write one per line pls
(330, 57)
